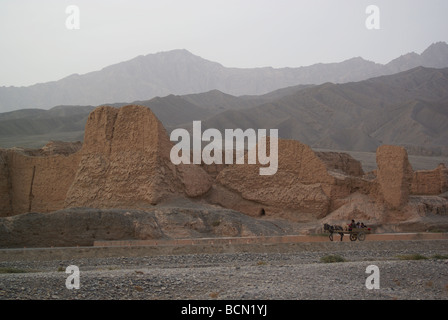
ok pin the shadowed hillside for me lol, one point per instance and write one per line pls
(409, 108)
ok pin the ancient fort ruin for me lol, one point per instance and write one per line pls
(124, 162)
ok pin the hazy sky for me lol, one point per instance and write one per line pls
(36, 46)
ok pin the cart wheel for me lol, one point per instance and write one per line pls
(331, 237)
(361, 236)
(353, 236)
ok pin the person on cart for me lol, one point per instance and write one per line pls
(351, 225)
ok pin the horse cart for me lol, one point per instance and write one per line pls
(354, 233)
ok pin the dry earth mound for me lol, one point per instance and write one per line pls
(83, 226)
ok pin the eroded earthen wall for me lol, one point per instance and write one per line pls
(394, 175)
(5, 186)
(40, 183)
(125, 162)
(34, 183)
(430, 182)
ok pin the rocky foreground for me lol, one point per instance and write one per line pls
(407, 270)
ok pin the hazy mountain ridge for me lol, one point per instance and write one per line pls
(409, 108)
(180, 72)
(435, 56)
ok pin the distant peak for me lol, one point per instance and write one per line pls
(179, 51)
(437, 46)
(171, 52)
(177, 54)
(410, 54)
(357, 60)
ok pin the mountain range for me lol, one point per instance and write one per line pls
(408, 108)
(180, 72)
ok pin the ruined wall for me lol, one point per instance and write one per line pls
(296, 188)
(35, 183)
(341, 162)
(5, 186)
(125, 162)
(307, 185)
(394, 175)
(430, 182)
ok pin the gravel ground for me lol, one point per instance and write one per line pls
(234, 276)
